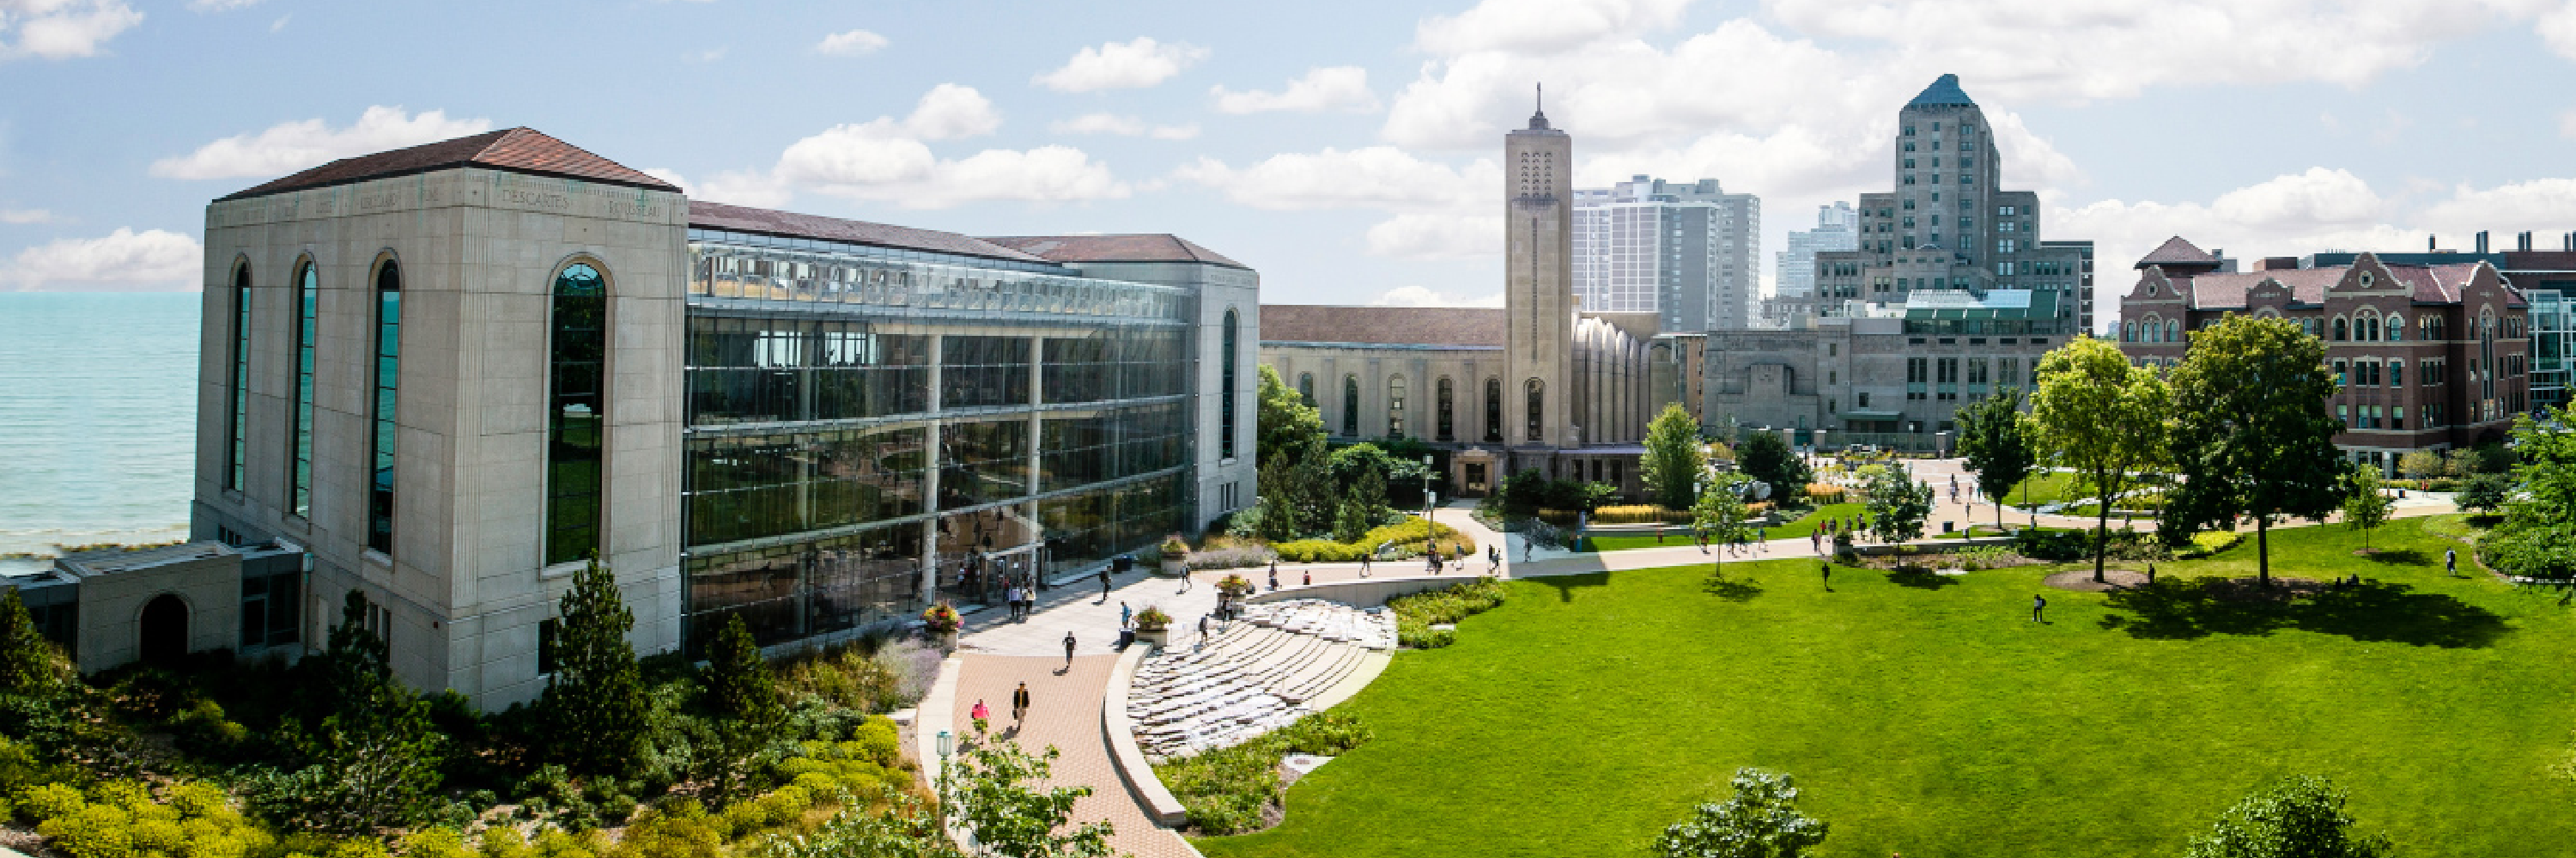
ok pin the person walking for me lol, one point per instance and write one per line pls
(1310, 576)
(2451, 562)
(2038, 603)
(1104, 584)
(1826, 568)
(1364, 565)
(1203, 624)
(1125, 615)
(982, 716)
(1019, 706)
(1068, 649)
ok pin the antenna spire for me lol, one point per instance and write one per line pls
(1542, 99)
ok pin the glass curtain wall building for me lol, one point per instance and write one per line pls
(872, 427)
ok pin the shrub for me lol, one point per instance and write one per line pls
(942, 618)
(1640, 514)
(1227, 790)
(49, 801)
(1988, 557)
(1825, 493)
(1417, 613)
(1408, 538)
(1227, 552)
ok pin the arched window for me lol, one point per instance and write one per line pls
(1350, 405)
(380, 440)
(1306, 388)
(1448, 409)
(1225, 391)
(1493, 410)
(1537, 395)
(576, 414)
(1395, 406)
(2129, 332)
(299, 466)
(237, 418)
(2173, 331)
(2370, 329)
(2396, 329)
(2339, 331)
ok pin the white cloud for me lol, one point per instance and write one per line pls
(23, 216)
(1327, 88)
(220, 5)
(291, 146)
(2567, 125)
(855, 43)
(1134, 64)
(61, 29)
(2539, 205)
(1542, 26)
(124, 259)
(744, 188)
(950, 111)
(1422, 296)
(672, 176)
(886, 159)
(1437, 236)
(2558, 28)
(1382, 177)
(1123, 126)
(706, 56)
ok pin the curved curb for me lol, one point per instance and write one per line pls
(1364, 592)
(1147, 789)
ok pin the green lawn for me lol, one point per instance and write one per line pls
(1931, 716)
(1680, 534)
(2046, 487)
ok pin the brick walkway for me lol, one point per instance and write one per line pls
(1065, 713)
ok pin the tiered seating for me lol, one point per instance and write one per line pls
(1253, 677)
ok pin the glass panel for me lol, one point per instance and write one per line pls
(299, 481)
(576, 413)
(237, 420)
(753, 486)
(380, 495)
(808, 588)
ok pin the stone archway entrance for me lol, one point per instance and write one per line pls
(164, 629)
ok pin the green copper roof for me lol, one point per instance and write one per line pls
(1994, 304)
(1944, 92)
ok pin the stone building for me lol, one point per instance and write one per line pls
(451, 374)
(2430, 357)
(1539, 384)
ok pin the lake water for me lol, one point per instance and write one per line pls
(97, 417)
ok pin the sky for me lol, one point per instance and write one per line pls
(1346, 150)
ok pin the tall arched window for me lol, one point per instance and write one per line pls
(1395, 406)
(1493, 410)
(2370, 329)
(2129, 332)
(1306, 388)
(1537, 409)
(2339, 332)
(299, 466)
(575, 415)
(2396, 329)
(2173, 331)
(237, 417)
(1225, 396)
(380, 441)
(1350, 405)
(1448, 410)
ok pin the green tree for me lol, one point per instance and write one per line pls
(2538, 535)
(2489, 458)
(1995, 439)
(1760, 821)
(2366, 503)
(373, 758)
(2298, 817)
(889, 825)
(2104, 418)
(1898, 504)
(1720, 514)
(1767, 457)
(2484, 492)
(2251, 435)
(2421, 464)
(1675, 460)
(1289, 428)
(742, 695)
(1353, 521)
(988, 787)
(594, 702)
(29, 664)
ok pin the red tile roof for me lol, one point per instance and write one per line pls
(517, 150)
(2225, 291)
(1430, 326)
(1143, 247)
(2176, 251)
(706, 215)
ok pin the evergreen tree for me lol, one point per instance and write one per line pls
(1995, 439)
(2250, 434)
(372, 758)
(1675, 460)
(28, 662)
(594, 701)
(2103, 416)
(742, 695)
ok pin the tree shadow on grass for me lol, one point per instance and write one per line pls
(1921, 579)
(2400, 557)
(2375, 612)
(1732, 590)
(1566, 584)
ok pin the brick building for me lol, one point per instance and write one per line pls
(2431, 356)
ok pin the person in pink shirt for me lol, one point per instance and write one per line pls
(981, 714)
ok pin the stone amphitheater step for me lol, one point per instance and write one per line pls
(1257, 675)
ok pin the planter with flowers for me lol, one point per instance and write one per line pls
(943, 622)
(1154, 627)
(1176, 556)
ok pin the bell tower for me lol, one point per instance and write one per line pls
(1538, 295)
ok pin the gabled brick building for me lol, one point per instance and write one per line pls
(2431, 356)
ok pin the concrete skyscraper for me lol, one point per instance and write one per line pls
(1688, 252)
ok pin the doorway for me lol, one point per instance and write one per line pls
(164, 629)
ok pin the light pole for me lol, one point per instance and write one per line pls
(946, 743)
(1427, 500)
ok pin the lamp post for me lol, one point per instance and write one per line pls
(1427, 500)
(946, 743)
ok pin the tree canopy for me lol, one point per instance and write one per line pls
(2538, 535)
(1675, 459)
(1288, 426)
(1760, 821)
(594, 702)
(2251, 435)
(1720, 513)
(2297, 817)
(2103, 417)
(1897, 504)
(28, 663)
(1766, 456)
(742, 695)
(1996, 440)
(2366, 503)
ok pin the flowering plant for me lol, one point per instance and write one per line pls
(942, 618)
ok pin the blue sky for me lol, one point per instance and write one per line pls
(1344, 149)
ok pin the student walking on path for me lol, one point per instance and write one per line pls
(2038, 603)
(1104, 585)
(1019, 706)
(1068, 649)
(2451, 562)
(1125, 615)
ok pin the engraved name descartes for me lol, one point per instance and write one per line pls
(540, 199)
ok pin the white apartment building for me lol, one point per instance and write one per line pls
(1689, 253)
